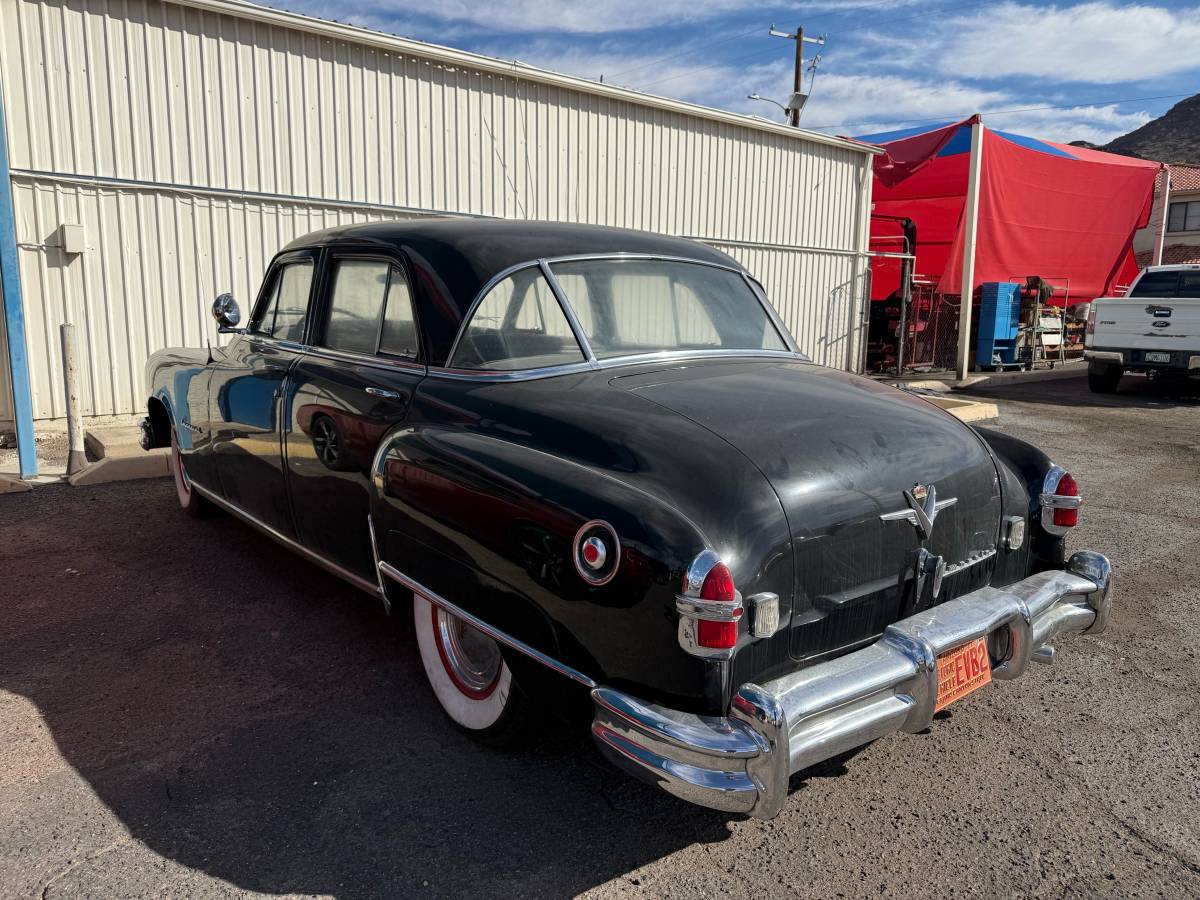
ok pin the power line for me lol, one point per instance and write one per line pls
(999, 112)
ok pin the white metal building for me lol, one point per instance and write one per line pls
(192, 138)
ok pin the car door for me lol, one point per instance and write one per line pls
(351, 387)
(246, 389)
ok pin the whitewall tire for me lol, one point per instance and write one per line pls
(469, 676)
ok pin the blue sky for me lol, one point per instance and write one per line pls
(1106, 67)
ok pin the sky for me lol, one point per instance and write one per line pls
(1104, 67)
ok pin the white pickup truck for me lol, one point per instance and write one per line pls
(1155, 328)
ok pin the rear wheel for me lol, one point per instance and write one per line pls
(189, 499)
(469, 676)
(1103, 378)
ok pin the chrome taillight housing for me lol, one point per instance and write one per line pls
(709, 608)
(1060, 501)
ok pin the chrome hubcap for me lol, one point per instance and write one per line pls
(471, 658)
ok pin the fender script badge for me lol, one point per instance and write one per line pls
(923, 510)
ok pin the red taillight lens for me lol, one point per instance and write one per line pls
(1067, 518)
(718, 585)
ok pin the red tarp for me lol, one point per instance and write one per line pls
(1062, 212)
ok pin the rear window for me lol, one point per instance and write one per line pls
(636, 306)
(1156, 284)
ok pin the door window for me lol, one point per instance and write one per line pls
(371, 309)
(1189, 284)
(356, 305)
(399, 336)
(286, 308)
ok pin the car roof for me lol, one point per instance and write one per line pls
(1173, 267)
(489, 246)
(453, 257)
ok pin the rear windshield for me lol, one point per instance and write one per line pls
(631, 306)
(1175, 283)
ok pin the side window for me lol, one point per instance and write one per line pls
(370, 309)
(518, 325)
(399, 336)
(355, 305)
(285, 310)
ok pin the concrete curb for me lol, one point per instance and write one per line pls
(983, 380)
(120, 457)
(13, 485)
(966, 410)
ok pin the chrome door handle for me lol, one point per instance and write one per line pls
(380, 392)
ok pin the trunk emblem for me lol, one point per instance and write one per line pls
(923, 509)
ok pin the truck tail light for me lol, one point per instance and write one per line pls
(1091, 319)
(718, 587)
(709, 608)
(1060, 501)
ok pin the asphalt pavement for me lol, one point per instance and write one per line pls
(188, 710)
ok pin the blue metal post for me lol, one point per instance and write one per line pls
(14, 313)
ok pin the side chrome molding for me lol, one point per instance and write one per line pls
(475, 622)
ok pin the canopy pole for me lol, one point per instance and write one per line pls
(970, 227)
(1166, 211)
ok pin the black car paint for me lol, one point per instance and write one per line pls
(479, 488)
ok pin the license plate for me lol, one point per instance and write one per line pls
(962, 671)
(1158, 357)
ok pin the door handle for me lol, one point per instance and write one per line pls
(385, 394)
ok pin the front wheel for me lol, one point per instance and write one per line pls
(469, 676)
(1103, 378)
(189, 499)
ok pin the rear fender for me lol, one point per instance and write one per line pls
(491, 525)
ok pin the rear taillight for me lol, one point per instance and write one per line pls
(1060, 501)
(1091, 319)
(709, 608)
(718, 587)
(1067, 518)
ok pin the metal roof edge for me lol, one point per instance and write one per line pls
(511, 68)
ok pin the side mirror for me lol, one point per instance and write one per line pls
(225, 311)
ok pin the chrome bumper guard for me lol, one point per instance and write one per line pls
(741, 763)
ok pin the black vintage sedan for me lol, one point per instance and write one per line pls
(598, 468)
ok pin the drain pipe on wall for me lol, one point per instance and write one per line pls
(76, 458)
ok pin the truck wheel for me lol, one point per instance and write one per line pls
(469, 677)
(1103, 378)
(189, 499)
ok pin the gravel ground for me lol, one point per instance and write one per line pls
(187, 710)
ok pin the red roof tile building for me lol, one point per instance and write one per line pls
(1181, 239)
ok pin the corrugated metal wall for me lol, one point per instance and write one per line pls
(193, 139)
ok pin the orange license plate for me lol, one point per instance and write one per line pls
(962, 671)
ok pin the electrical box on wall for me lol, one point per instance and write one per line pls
(71, 238)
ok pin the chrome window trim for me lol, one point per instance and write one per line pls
(382, 361)
(614, 363)
(569, 311)
(546, 264)
(494, 633)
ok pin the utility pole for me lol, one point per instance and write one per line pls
(796, 101)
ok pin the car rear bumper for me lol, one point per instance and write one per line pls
(741, 763)
(1182, 360)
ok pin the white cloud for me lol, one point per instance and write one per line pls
(1099, 43)
(525, 16)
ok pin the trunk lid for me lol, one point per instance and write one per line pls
(840, 451)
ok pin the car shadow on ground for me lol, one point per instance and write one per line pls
(248, 716)
(1135, 391)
